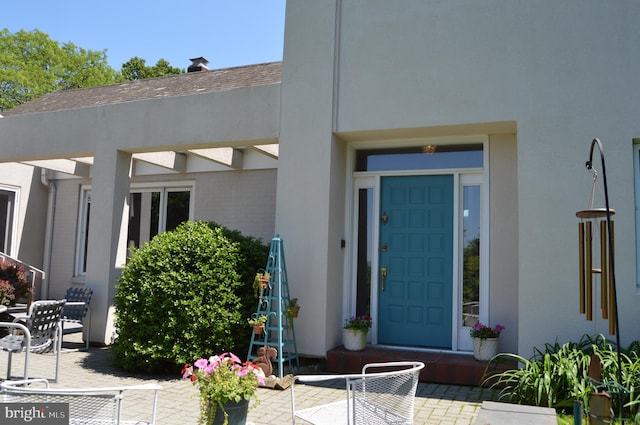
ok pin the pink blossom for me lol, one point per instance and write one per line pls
(201, 363)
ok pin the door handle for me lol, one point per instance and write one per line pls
(383, 273)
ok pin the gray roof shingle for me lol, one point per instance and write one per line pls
(175, 85)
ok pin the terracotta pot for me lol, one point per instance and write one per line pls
(257, 329)
(293, 311)
(264, 281)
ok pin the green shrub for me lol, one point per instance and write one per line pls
(180, 298)
(253, 256)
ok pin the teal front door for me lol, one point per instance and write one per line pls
(415, 281)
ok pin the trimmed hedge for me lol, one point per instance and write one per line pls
(181, 297)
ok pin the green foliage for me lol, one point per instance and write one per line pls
(257, 320)
(471, 271)
(185, 295)
(558, 375)
(177, 299)
(136, 69)
(31, 64)
(253, 256)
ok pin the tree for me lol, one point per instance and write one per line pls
(136, 69)
(32, 64)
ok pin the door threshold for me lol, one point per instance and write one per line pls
(420, 349)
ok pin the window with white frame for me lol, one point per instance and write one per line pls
(152, 210)
(8, 198)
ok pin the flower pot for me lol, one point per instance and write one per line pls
(293, 311)
(485, 348)
(354, 339)
(257, 329)
(264, 281)
(237, 412)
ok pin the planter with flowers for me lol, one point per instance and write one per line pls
(354, 334)
(226, 385)
(485, 341)
(14, 286)
(14, 283)
(258, 322)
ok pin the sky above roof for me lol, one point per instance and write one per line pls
(226, 32)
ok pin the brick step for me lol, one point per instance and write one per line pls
(440, 367)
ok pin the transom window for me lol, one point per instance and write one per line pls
(427, 157)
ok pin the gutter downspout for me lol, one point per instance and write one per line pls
(48, 236)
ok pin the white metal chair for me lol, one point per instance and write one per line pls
(41, 331)
(86, 405)
(382, 397)
(77, 309)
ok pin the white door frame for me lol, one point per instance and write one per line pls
(460, 339)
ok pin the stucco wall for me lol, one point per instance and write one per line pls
(205, 120)
(241, 200)
(563, 72)
(32, 201)
(503, 238)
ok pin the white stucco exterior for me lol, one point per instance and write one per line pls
(535, 81)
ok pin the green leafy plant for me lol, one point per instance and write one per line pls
(221, 379)
(253, 255)
(558, 375)
(257, 320)
(260, 282)
(178, 297)
(293, 308)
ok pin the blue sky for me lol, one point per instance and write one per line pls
(226, 32)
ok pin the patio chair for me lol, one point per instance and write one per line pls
(41, 331)
(77, 310)
(385, 396)
(87, 405)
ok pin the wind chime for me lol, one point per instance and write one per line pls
(597, 220)
(600, 219)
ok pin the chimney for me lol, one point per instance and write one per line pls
(198, 64)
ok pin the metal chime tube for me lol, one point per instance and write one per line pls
(581, 264)
(589, 268)
(604, 275)
(612, 305)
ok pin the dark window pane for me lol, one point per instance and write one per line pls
(420, 158)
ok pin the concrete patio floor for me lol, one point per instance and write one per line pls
(178, 399)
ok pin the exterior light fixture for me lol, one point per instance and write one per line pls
(429, 149)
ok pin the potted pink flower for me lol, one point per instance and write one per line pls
(485, 341)
(226, 386)
(354, 335)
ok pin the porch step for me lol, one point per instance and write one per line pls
(440, 367)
